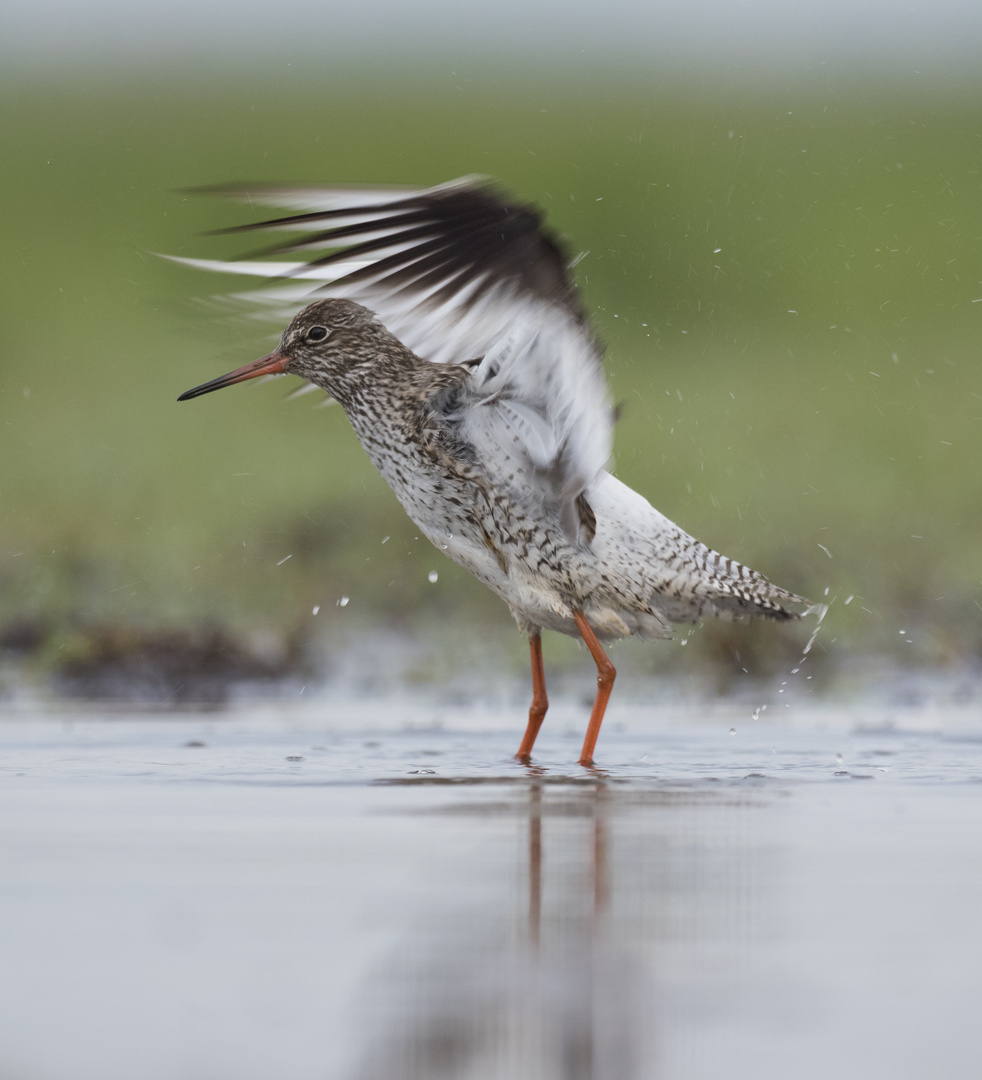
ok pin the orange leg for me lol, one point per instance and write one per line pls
(540, 702)
(605, 683)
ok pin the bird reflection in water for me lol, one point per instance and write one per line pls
(552, 994)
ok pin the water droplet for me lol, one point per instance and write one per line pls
(433, 577)
(316, 608)
(733, 731)
(839, 758)
(343, 602)
(755, 715)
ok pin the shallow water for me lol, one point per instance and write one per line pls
(375, 889)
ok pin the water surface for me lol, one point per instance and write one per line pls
(376, 889)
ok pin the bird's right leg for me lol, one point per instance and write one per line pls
(540, 702)
(605, 683)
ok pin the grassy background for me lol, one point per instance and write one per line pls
(786, 275)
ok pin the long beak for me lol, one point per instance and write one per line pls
(274, 364)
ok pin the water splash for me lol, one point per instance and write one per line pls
(821, 610)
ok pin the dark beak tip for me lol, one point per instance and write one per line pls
(196, 391)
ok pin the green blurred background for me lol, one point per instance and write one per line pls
(786, 268)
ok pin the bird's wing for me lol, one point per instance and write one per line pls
(458, 273)
(536, 411)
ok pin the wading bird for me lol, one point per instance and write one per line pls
(449, 329)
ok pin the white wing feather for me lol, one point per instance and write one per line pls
(539, 413)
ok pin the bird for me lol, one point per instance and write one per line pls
(446, 322)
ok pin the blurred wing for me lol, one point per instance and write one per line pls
(443, 267)
(456, 272)
(536, 410)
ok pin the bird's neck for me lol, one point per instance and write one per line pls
(390, 409)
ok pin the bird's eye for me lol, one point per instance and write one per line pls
(317, 333)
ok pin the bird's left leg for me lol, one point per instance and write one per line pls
(605, 683)
(540, 702)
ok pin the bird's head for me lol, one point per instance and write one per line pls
(330, 343)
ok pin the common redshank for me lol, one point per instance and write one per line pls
(457, 344)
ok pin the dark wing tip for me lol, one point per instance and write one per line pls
(450, 236)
